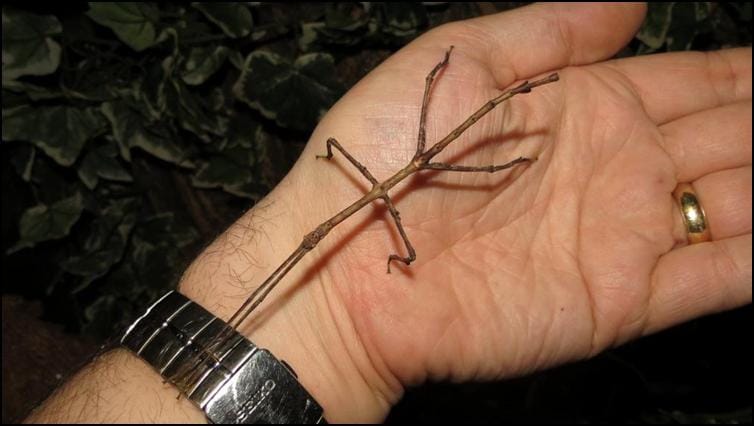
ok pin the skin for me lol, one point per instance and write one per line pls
(539, 265)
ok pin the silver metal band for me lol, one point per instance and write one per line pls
(244, 384)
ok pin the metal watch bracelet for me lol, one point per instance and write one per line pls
(245, 384)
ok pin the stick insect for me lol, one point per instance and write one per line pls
(422, 160)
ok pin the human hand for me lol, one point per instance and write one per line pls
(546, 263)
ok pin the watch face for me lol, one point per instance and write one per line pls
(263, 390)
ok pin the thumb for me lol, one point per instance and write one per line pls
(542, 37)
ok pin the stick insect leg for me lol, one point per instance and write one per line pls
(332, 142)
(421, 140)
(397, 218)
(488, 169)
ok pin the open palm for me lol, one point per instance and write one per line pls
(552, 261)
(542, 263)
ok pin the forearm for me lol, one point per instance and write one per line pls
(117, 387)
(297, 324)
(120, 387)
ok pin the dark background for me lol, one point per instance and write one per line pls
(112, 208)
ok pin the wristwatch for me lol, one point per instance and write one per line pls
(240, 383)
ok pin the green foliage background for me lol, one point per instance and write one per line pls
(133, 133)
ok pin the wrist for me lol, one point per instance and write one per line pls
(302, 322)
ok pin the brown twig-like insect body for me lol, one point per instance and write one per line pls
(420, 161)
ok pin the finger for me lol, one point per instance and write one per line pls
(542, 37)
(726, 199)
(673, 85)
(710, 140)
(699, 279)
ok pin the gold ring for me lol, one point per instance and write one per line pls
(697, 228)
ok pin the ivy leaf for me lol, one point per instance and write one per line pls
(141, 276)
(12, 100)
(192, 26)
(105, 242)
(102, 162)
(293, 94)
(269, 31)
(150, 91)
(217, 99)
(316, 35)
(167, 94)
(48, 222)
(402, 19)
(104, 314)
(129, 131)
(223, 172)
(346, 16)
(235, 164)
(191, 112)
(95, 80)
(704, 10)
(274, 159)
(155, 243)
(233, 18)
(685, 25)
(23, 161)
(345, 24)
(59, 131)
(242, 132)
(349, 24)
(51, 181)
(28, 48)
(202, 63)
(654, 31)
(236, 58)
(133, 22)
(32, 91)
(149, 262)
(163, 230)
